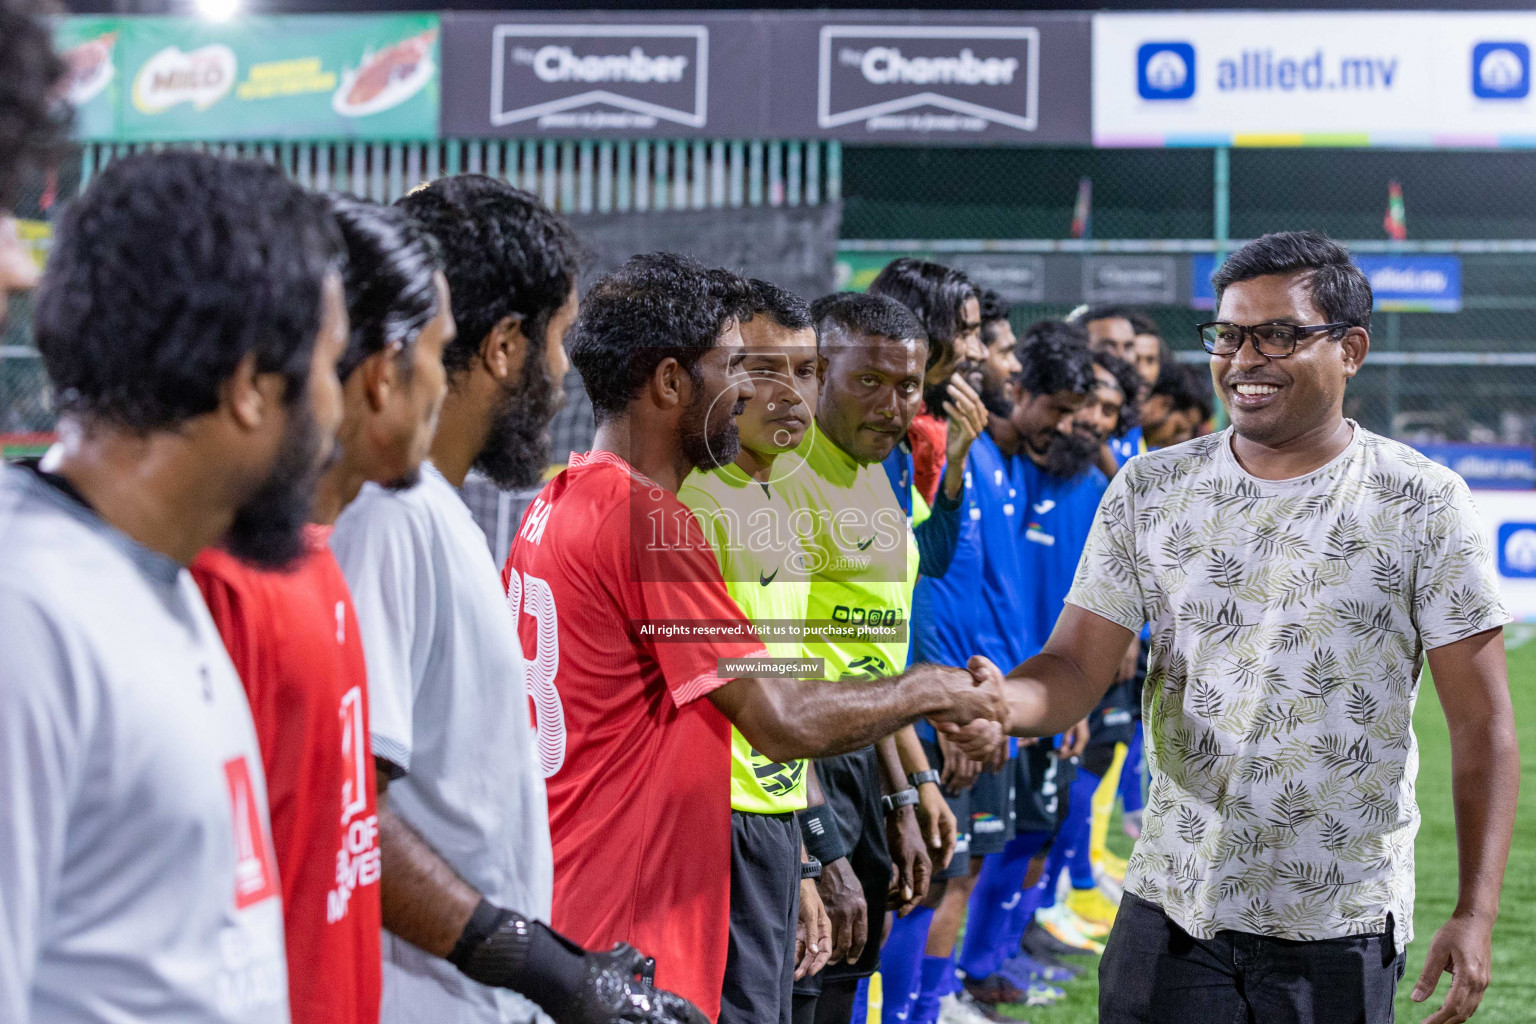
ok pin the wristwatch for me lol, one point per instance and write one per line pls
(810, 869)
(918, 778)
(891, 801)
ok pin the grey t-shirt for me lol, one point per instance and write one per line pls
(450, 716)
(137, 880)
(1289, 624)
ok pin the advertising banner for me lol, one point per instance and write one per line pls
(886, 76)
(1058, 277)
(1500, 466)
(1387, 78)
(1400, 283)
(1510, 519)
(298, 77)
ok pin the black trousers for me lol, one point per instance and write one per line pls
(765, 908)
(1154, 972)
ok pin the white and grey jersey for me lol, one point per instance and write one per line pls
(137, 879)
(450, 718)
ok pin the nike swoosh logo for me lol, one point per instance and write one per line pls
(765, 580)
(864, 544)
(1042, 507)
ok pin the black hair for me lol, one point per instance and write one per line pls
(505, 254)
(874, 316)
(780, 305)
(1340, 290)
(390, 279)
(994, 310)
(1143, 324)
(656, 306)
(935, 293)
(1054, 357)
(1185, 389)
(1107, 311)
(1130, 386)
(168, 271)
(33, 116)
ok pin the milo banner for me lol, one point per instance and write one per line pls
(297, 77)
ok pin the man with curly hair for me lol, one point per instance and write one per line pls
(31, 125)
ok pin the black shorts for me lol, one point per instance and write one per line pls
(851, 783)
(960, 807)
(994, 811)
(1040, 777)
(1114, 720)
(765, 910)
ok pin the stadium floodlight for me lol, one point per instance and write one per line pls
(218, 10)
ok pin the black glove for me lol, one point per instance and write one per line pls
(503, 949)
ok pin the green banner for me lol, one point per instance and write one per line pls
(285, 77)
(89, 46)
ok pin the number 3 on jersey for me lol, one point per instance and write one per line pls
(531, 596)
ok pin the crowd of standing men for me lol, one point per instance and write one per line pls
(278, 743)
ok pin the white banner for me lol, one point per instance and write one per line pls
(1315, 78)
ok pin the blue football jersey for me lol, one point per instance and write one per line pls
(1055, 517)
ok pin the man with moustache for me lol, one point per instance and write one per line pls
(1176, 407)
(752, 531)
(190, 321)
(640, 660)
(463, 829)
(1298, 571)
(293, 637)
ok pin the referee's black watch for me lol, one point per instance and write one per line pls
(891, 801)
(810, 869)
(915, 779)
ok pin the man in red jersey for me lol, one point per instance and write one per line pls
(294, 639)
(626, 624)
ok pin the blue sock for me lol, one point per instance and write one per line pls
(1019, 918)
(900, 963)
(994, 897)
(1130, 772)
(1078, 831)
(860, 1012)
(937, 980)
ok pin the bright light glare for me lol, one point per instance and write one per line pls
(218, 10)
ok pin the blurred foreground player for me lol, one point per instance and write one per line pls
(32, 121)
(463, 825)
(607, 564)
(293, 636)
(190, 322)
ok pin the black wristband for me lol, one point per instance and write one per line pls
(818, 829)
(504, 949)
(896, 801)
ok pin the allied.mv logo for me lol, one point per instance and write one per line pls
(1501, 71)
(1517, 550)
(1165, 71)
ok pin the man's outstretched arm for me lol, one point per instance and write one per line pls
(1472, 679)
(1057, 688)
(787, 719)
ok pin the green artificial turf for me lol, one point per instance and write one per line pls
(1512, 997)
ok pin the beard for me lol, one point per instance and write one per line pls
(702, 448)
(268, 530)
(517, 448)
(1070, 454)
(994, 396)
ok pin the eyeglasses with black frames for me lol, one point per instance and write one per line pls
(1271, 340)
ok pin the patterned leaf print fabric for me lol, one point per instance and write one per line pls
(1289, 623)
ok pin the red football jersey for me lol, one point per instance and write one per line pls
(638, 767)
(294, 640)
(928, 437)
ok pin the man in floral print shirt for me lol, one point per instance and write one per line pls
(1296, 570)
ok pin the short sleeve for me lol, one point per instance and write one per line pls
(1108, 580)
(381, 546)
(1456, 589)
(43, 739)
(682, 584)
